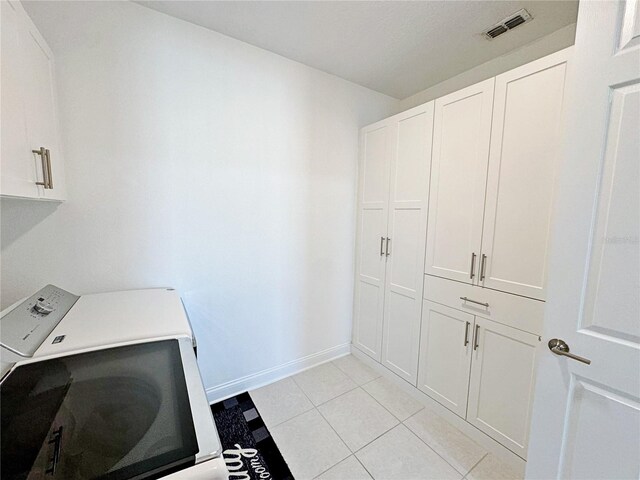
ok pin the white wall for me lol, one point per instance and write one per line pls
(546, 45)
(203, 163)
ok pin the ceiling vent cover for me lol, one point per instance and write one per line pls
(509, 23)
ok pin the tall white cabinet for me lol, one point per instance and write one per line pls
(31, 161)
(394, 169)
(487, 204)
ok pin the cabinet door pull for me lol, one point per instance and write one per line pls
(476, 340)
(483, 263)
(45, 170)
(381, 246)
(49, 174)
(466, 334)
(465, 299)
(473, 264)
(388, 251)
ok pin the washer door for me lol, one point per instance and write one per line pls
(115, 413)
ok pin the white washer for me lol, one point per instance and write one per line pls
(114, 381)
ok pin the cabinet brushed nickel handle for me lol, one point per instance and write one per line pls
(483, 263)
(476, 340)
(45, 171)
(381, 246)
(466, 334)
(465, 299)
(49, 174)
(388, 250)
(473, 264)
(559, 347)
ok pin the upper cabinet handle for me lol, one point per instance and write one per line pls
(381, 246)
(45, 167)
(388, 251)
(49, 174)
(483, 263)
(473, 265)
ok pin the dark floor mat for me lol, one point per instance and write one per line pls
(249, 449)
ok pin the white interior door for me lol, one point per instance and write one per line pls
(526, 129)
(587, 417)
(502, 382)
(375, 145)
(18, 169)
(461, 134)
(408, 194)
(445, 355)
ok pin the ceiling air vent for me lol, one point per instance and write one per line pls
(512, 21)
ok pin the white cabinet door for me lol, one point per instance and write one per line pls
(40, 106)
(522, 164)
(18, 176)
(462, 128)
(410, 167)
(445, 355)
(502, 382)
(375, 142)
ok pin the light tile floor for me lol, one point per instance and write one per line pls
(342, 420)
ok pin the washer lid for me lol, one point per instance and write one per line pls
(132, 411)
(24, 328)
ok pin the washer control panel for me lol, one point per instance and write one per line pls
(23, 329)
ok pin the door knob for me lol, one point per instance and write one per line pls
(559, 347)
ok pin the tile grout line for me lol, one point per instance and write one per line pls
(434, 450)
(347, 374)
(362, 465)
(295, 416)
(476, 464)
(400, 422)
(353, 453)
(330, 426)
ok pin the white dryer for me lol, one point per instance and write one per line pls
(103, 386)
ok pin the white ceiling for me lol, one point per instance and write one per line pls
(394, 47)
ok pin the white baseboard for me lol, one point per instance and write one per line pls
(499, 450)
(270, 375)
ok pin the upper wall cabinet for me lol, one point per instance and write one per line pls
(395, 160)
(494, 157)
(461, 133)
(32, 165)
(525, 134)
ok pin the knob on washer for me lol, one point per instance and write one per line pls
(43, 308)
